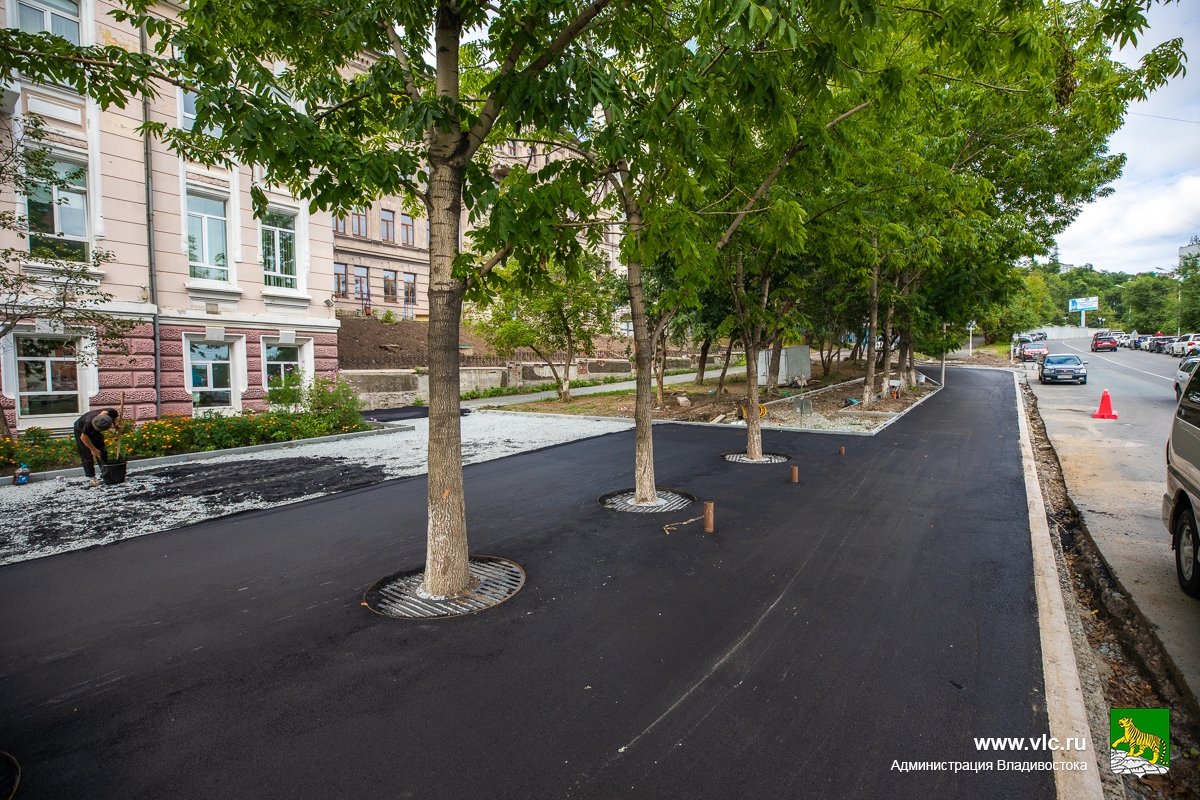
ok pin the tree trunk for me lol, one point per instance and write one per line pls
(902, 361)
(643, 461)
(5, 431)
(753, 429)
(703, 360)
(869, 384)
(446, 566)
(912, 365)
(887, 344)
(725, 367)
(773, 366)
(565, 394)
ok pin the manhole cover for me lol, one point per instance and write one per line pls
(668, 500)
(396, 595)
(739, 457)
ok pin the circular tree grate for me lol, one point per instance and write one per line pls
(740, 457)
(668, 500)
(396, 595)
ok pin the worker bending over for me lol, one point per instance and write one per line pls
(89, 439)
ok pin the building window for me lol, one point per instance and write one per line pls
(358, 224)
(362, 285)
(410, 289)
(206, 238)
(511, 147)
(389, 286)
(339, 225)
(209, 374)
(59, 17)
(57, 216)
(387, 225)
(281, 360)
(47, 376)
(279, 250)
(339, 281)
(408, 233)
(187, 115)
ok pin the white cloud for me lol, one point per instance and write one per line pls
(1155, 208)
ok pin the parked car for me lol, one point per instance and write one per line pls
(1062, 368)
(1034, 350)
(1183, 487)
(1160, 344)
(1183, 374)
(1038, 336)
(1103, 341)
(1186, 345)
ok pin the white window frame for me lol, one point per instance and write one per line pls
(224, 200)
(75, 163)
(278, 274)
(48, 11)
(237, 373)
(305, 352)
(86, 375)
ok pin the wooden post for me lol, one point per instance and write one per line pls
(708, 516)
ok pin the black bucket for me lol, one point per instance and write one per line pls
(112, 472)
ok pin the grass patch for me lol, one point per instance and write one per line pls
(551, 386)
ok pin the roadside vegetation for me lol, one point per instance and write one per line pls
(325, 407)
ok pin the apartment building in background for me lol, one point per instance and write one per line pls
(238, 299)
(381, 261)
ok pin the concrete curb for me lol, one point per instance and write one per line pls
(143, 463)
(1065, 707)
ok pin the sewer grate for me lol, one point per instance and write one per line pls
(396, 595)
(668, 500)
(739, 457)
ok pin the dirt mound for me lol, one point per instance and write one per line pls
(367, 343)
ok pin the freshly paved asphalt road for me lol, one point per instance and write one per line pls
(1116, 473)
(883, 609)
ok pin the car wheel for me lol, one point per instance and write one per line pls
(1083, 382)
(1187, 548)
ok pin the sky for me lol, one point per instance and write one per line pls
(1155, 206)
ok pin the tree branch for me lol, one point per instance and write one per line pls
(410, 85)
(766, 184)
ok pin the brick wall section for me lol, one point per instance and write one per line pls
(133, 372)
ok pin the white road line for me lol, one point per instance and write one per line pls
(1064, 696)
(1119, 364)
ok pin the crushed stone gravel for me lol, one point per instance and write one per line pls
(44, 518)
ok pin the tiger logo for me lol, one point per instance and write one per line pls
(1139, 741)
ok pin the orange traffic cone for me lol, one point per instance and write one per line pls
(1106, 409)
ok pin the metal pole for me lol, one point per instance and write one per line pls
(943, 381)
(151, 263)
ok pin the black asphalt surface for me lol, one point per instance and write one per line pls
(820, 634)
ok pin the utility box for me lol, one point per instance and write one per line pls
(794, 362)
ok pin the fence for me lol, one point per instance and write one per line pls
(395, 361)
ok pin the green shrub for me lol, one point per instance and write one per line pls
(388, 317)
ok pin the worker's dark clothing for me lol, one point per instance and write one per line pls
(83, 427)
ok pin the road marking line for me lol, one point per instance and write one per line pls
(1119, 364)
(1064, 696)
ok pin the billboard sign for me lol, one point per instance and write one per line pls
(1085, 304)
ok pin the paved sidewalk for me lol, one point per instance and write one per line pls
(514, 399)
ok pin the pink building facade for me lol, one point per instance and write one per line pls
(235, 299)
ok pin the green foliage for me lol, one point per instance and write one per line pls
(329, 406)
(563, 312)
(286, 389)
(389, 317)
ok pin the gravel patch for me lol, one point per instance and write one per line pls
(44, 518)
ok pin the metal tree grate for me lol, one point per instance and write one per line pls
(396, 595)
(668, 500)
(739, 457)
